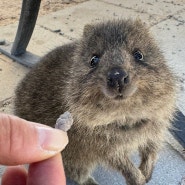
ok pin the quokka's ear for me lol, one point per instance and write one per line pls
(87, 29)
(139, 22)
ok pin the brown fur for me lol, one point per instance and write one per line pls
(109, 122)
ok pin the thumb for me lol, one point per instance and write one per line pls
(47, 172)
(23, 142)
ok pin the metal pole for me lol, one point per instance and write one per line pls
(29, 13)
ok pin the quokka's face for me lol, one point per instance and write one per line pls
(119, 60)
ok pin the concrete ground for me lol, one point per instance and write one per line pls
(166, 20)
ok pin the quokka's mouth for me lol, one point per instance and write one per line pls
(116, 95)
(119, 97)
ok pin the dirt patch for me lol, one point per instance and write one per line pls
(10, 10)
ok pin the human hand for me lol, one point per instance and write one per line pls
(26, 142)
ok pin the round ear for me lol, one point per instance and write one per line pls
(87, 29)
(141, 23)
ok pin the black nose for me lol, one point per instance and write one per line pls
(117, 78)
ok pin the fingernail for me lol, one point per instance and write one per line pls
(52, 139)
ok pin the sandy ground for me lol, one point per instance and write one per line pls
(10, 10)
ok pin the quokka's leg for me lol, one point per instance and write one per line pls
(80, 174)
(148, 159)
(132, 174)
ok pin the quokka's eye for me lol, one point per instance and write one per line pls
(138, 55)
(94, 61)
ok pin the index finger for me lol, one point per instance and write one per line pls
(23, 142)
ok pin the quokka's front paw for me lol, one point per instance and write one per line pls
(141, 180)
(146, 173)
(138, 180)
(90, 181)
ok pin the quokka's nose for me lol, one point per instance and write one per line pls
(117, 78)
